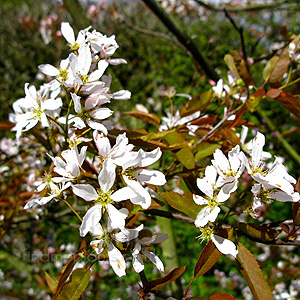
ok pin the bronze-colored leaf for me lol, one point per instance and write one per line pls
(6, 125)
(296, 213)
(146, 117)
(164, 281)
(229, 60)
(259, 232)
(241, 67)
(207, 259)
(210, 254)
(290, 102)
(280, 67)
(251, 271)
(269, 67)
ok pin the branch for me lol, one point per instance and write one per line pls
(77, 13)
(275, 5)
(169, 215)
(185, 40)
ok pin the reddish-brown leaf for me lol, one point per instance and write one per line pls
(221, 296)
(6, 125)
(259, 232)
(251, 271)
(273, 93)
(146, 117)
(290, 102)
(207, 259)
(280, 67)
(203, 121)
(241, 66)
(162, 282)
(210, 254)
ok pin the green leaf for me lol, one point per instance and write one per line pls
(207, 259)
(231, 65)
(74, 288)
(183, 203)
(164, 281)
(205, 149)
(270, 67)
(251, 271)
(259, 232)
(184, 155)
(52, 282)
(221, 296)
(64, 273)
(255, 99)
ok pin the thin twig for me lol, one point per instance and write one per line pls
(169, 215)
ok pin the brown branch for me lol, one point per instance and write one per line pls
(185, 40)
(169, 215)
(275, 5)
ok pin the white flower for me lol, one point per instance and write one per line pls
(106, 238)
(90, 115)
(70, 165)
(103, 201)
(229, 169)
(224, 246)
(34, 107)
(135, 174)
(56, 191)
(211, 200)
(68, 33)
(142, 242)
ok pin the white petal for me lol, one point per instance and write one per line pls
(97, 126)
(224, 246)
(137, 263)
(116, 260)
(77, 105)
(91, 219)
(107, 175)
(206, 215)
(154, 259)
(68, 32)
(117, 217)
(123, 194)
(122, 95)
(49, 70)
(150, 176)
(102, 143)
(150, 157)
(199, 200)
(101, 113)
(85, 191)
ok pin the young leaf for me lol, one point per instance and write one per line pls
(64, 273)
(251, 271)
(164, 281)
(255, 99)
(183, 203)
(296, 213)
(74, 288)
(241, 66)
(270, 66)
(221, 296)
(280, 67)
(207, 259)
(231, 65)
(146, 117)
(205, 149)
(184, 155)
(52, 282)
(288, 101)
(259, 232)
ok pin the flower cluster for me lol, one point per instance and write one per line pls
(222, 177)
(73, 103)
